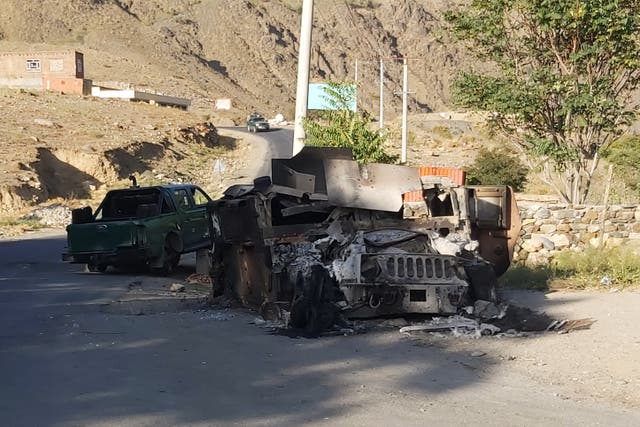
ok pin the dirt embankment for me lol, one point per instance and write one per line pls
(72, 149)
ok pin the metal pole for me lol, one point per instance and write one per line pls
(381, 94)
(355, 107)
(405, 81)
(356, 72)
(302, 91)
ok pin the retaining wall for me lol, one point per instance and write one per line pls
(548, 228)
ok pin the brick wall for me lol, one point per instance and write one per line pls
(67, 85)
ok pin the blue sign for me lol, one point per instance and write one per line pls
(319, 99)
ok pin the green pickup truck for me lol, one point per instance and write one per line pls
(140, 227)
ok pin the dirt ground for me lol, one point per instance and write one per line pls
(601, 363)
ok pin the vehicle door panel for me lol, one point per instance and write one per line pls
(495, 223)
(195, 223)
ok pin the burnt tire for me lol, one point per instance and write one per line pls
(483, 281)
(306, 317)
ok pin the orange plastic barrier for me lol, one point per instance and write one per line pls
(458, 176)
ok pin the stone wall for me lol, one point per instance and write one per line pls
(549, 228)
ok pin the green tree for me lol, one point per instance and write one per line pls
(564, 71)
(624, 154)
(342, 127)
(497, 167)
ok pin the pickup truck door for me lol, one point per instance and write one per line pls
(495, 223)
(195, 223)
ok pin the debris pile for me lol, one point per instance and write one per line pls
(202, 133)
(55, 215)
(487, 318)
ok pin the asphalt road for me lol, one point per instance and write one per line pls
(278, 141)
(66, 361)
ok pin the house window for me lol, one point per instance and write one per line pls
(33, 65)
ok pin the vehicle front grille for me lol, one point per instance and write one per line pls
(407, 268)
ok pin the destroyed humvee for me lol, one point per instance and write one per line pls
(326, 238)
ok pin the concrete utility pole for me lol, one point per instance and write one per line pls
(355, 101)
(302, 91)
(405, 93)
(381, 95)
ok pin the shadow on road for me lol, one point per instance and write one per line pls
(77, 365)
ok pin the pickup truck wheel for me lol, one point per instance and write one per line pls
(171, 259)
(96, 268)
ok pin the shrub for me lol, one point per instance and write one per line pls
(497, 167)
(621, 265)
(624, 154)
(342, 127)
(579, 270)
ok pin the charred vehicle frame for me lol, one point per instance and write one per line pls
(325, 238)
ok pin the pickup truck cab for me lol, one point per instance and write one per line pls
(140, 227)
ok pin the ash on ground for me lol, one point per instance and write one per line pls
(482, 319)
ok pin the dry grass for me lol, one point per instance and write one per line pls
(13, 226)
(617, 267)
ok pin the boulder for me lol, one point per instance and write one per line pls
(177, 287)
(548, 228)
(546, 242)
(532, 245)
(542, 214)
(561, 241)
(593, 228)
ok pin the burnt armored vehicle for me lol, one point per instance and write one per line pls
(325, 238)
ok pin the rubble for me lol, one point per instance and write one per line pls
(177, 287)
(566, 326)
(458, 325)
(505, 320)
(198, 279)
(55, 215)
(488, 310)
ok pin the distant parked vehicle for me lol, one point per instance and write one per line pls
(257, 123)
(140, 227)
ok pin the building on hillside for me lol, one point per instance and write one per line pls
(57, 71)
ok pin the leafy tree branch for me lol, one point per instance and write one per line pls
(564, 74)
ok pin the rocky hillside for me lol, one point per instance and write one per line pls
(70, 149)
(245, 49)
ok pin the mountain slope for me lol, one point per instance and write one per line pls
(243, 49)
